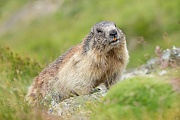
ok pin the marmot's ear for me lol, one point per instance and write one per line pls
(114, 24)
(120, 31)
(92, 31)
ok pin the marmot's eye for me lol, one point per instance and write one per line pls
(99, 30)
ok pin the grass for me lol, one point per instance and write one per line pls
(16, 73)
(140, 98)
(145, 24)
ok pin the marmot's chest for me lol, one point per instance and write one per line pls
(107, 65)
(99, 65)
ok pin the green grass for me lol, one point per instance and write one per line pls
(140, 98)
(45, 38)
(16, 73)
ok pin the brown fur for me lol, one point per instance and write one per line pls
(84, 66)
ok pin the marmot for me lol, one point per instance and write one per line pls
(101, 57)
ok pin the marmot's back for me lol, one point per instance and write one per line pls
(100, 58)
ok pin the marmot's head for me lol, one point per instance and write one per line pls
(104, 36)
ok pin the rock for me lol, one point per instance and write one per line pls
(166, 58)
(77, 106)
(163, 72)
(170, 57)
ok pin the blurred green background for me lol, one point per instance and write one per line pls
(35, 32)
(43, 38)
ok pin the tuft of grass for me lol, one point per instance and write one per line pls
(16, 74)
(140, 98)
(16, 67)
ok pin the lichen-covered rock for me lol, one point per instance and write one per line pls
(76, 107)
(163, 59)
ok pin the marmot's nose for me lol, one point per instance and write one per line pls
(113, 33)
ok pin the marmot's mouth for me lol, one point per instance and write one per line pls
(115, 41)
